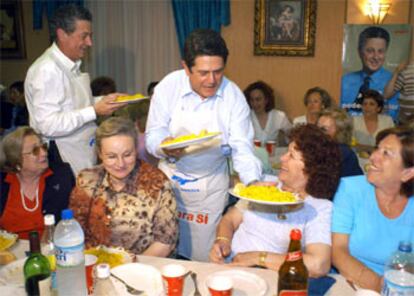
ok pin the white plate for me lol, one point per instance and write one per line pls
(265, 202)
(244, 283)
(140, 276)
(186, 143)
(12, 278)
(130, 101)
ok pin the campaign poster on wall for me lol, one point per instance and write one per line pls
(370, 54)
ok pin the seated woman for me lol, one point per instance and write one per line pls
(337, 124)
(373, 214)
(125, 202)
(253, 234)
(29, 187)
(371, 122)
(316, 99)
(267, 121)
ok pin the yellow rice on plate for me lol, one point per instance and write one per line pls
(7, 240)
(264, 193)
(112, 256)
(136, 96)
(203, 133)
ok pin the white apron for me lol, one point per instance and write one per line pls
(200, 182)
(78, 148)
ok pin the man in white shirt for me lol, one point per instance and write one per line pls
(188, 101)
(58, 95)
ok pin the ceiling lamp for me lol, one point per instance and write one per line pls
(377, 11)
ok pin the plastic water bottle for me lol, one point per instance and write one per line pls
(70, 260)
(48, 247)
(399, 272)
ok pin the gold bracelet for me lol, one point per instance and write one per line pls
(223, 238)
(262, 259)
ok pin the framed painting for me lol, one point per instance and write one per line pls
(11, 30)
(285, 27)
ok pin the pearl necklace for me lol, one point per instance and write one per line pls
(22, 197)
(24, 203)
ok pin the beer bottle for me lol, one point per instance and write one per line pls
(293, 274)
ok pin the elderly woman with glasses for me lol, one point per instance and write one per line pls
(125, 202)
(29, 187)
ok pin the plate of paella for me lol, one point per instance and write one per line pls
(270, 195)
(189, 139)
(114, 256)
(131, 98)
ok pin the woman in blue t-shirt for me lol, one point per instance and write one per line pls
(373, 214)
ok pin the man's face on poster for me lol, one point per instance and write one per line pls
(372, 54)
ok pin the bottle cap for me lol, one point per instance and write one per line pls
(49, 219)
(102, 271)
(405, 247)
(67, 214)
(295, 234)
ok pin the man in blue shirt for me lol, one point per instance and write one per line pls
(372, 47)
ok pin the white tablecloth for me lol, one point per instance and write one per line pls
(340, 288)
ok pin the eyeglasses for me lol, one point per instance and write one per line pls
(36, 149)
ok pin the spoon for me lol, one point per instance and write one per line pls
(194, 277)
(130, 289)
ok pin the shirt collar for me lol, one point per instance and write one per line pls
(12, 177)
(374, 75)
(67, 62)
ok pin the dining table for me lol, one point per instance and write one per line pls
(205, 269)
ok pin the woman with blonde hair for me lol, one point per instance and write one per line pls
(336, 123)
(125, 202)
(30, 187)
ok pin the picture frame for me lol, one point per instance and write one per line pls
(285, 27)
(12, 45)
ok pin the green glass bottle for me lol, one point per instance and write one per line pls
(36, 269)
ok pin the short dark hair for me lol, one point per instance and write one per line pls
(65, 18)
(325, 96)
(322, 159)
(151, 86)
(406, 136)
(373, 32)
(18, 85)
(204, 42)
(267, 91)
(375, 95)
(103, 85)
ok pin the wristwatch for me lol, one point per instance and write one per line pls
(262, 259)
